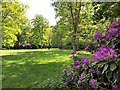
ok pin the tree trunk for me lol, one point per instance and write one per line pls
(75, 21)
(74, 40)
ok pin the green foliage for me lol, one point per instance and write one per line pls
(69, 12)
(73, 26)
(108, 72)
(12, 19)
(40, 26)
(48, 36)
(26, 33)
(61, 34)
(103, 70)
(86, 27)
(106, 10)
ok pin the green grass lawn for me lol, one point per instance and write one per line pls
(34, 68)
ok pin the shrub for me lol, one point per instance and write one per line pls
(103, 70)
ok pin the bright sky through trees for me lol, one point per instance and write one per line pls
(40, 7)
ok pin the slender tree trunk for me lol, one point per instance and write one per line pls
(75, 18)
(61, 46)
(74, 40)
(41, 46)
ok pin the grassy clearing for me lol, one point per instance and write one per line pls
(34, 68)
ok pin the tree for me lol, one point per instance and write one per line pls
(73, 9)
(106, 10)
(48, 37)
(62, 33)
(40, 25)
(25, 35)
(13, 17)
(79, 18)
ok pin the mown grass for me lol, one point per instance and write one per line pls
(34, 68)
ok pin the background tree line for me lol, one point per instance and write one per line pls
(77, 23)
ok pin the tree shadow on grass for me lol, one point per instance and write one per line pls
(34, 69)
(23, 69)
(39, 54)
(31, 75)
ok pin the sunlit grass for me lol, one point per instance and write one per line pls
(34, 68)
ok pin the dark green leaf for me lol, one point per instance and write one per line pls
(113, 67)
(105, 68)
(95, 41)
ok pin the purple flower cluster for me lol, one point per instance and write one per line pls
(79, 82)
(104, 53)
(72, 53)
(89, 44)
(81, 58)
(114, 29)
(71, 73)
(90, 70)
(86, 48)
(112, 32)
(64, 70)
(98, 35)
(82, 75)
(77, 65)
(77, 74)
(85, 60)
(85, 70)
(115, 87)
(118, 34)
(92, 83)
(116, 23)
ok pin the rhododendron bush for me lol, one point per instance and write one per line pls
(102, 71)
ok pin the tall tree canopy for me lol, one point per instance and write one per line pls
(71, 11)
(79, 18)
(77, 22)
(40, 25)
(61, 33)
(13, 17)
(106, 10)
